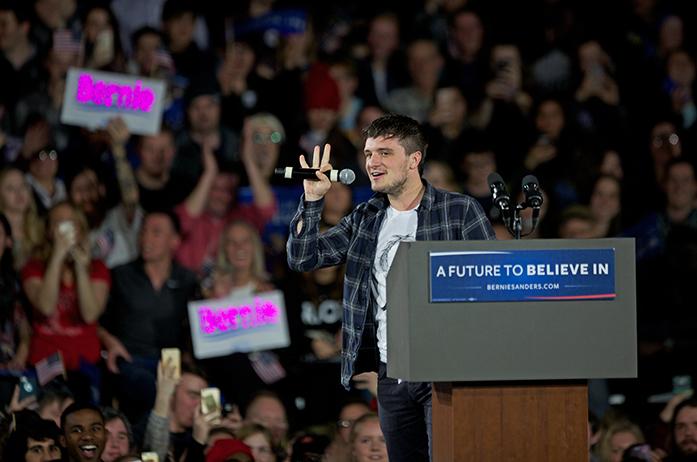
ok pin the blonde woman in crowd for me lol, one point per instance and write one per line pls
(68, 292)
(239, 270)
(17, 203)
(259, 439)
(618, 437)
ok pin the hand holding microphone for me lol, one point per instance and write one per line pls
(345, 176)
(315, 190)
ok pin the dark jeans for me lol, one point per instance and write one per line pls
(405, 417)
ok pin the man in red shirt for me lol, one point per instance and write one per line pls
(211, 205)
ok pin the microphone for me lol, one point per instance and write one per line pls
(345, 176)
(500, 195)
(531, 189)
(533, 198)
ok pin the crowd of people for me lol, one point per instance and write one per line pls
(106, 236)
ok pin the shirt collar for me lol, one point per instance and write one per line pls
(379, 201)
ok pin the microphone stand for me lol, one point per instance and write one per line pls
(516, 224)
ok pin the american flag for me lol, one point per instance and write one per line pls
(64, 42)
(267, 366)
(49, 368)
(103, 244)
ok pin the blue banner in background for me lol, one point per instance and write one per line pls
(285, 22)
(287, 199)
(523, 275)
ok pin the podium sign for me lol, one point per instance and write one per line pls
(513, 334)
(522, 275)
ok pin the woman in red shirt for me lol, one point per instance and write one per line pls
(67, 290)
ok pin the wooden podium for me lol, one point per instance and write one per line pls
(509, 377)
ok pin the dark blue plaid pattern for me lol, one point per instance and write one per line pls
(442, 216)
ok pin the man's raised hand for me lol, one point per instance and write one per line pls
(315, 190)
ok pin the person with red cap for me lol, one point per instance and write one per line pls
(229, 449)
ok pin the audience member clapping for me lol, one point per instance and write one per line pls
(213, 203)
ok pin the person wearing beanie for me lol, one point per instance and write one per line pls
(322, 103)
(321, 90)
(204, 130)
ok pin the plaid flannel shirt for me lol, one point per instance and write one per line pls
(442, 216)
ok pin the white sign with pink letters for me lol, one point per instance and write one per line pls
(238, 324)
(92, 98)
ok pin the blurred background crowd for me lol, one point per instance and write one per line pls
(105, 236)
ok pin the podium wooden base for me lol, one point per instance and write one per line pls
(510, 422)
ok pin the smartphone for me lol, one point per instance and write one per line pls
(27, 387)
(173, 357)
(104, 47)
(210, 402)
(149, 457)
(67, 229)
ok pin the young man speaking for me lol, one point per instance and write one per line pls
(404, 208)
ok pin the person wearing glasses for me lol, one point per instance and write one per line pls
(268, 136)
(48, 189)
(340, 448)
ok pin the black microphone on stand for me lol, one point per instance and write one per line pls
(345, 176)
(531, 189)
(499, 193)
(533, 197)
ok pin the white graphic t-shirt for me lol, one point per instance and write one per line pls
(397, 226)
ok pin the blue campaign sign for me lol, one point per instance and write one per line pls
(522, 275)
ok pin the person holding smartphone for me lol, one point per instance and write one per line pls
(68, 292)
